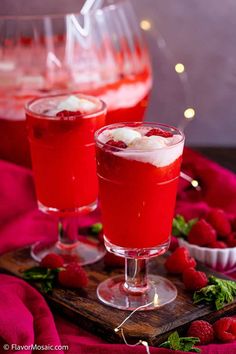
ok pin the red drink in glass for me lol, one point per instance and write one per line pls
(138, 166)
(61, 134)
(63, 155)
(127, 98)
(139, 196)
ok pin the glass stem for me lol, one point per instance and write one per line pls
(68, 232)
(135, 275)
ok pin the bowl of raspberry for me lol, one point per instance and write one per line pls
(212, 240)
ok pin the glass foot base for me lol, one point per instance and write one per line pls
(84, 251)
(160, 292)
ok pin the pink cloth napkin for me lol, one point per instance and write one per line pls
(218, 187)
(25, 318)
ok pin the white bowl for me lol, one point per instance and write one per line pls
(221, 259)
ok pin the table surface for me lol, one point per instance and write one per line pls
(225, 156)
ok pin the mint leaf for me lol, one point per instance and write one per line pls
(181, 227)
(96, 228)
(218, 293)
(174, 341)
(47, 277)
(186, 344)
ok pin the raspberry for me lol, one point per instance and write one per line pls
(174, 243)
(201, 233)
(225, 329)
(52, 261)
(66, 114)
(218, 220)
(112, 260)
(117, 144)
(233, 224)
(73, 276)
(203, 330)
(217, 244)
(179, 260)
(70, 258)
(194, 280)
(231, 244)
(231, 240)
(159, 132)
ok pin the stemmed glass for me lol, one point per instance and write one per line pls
(99, 52)
(138, 180)
(61, 135)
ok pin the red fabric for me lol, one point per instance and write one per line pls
(24, 315)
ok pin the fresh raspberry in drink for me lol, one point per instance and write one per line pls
(159, 132)
(117, 144)
(66, 114)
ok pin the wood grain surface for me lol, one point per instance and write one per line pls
(83, 307)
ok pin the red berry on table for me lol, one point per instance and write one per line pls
(73, 276)
(117, 144)
(159, 132)
(194, 280)
(217, 244)
(179, 260)
(66, 114)
(219, 221)
(52, 261)
(201, 233)
(203, 330)
(174, 243)
(225, 329)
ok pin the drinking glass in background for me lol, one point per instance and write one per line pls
(138, 167)
(61, 135)
(101, 53)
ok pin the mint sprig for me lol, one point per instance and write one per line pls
(46, 277)
(181, 227)
(218, 292)
(186, 344)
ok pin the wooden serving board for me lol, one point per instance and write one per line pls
(84, 308)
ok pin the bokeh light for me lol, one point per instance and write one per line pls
(189, 113)
(145, 25)
(179, 68)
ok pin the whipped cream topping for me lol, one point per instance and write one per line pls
(156, 150)
(73, 103)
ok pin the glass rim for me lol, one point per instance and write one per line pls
(61, 15)
(102, 108)
(130, 124)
